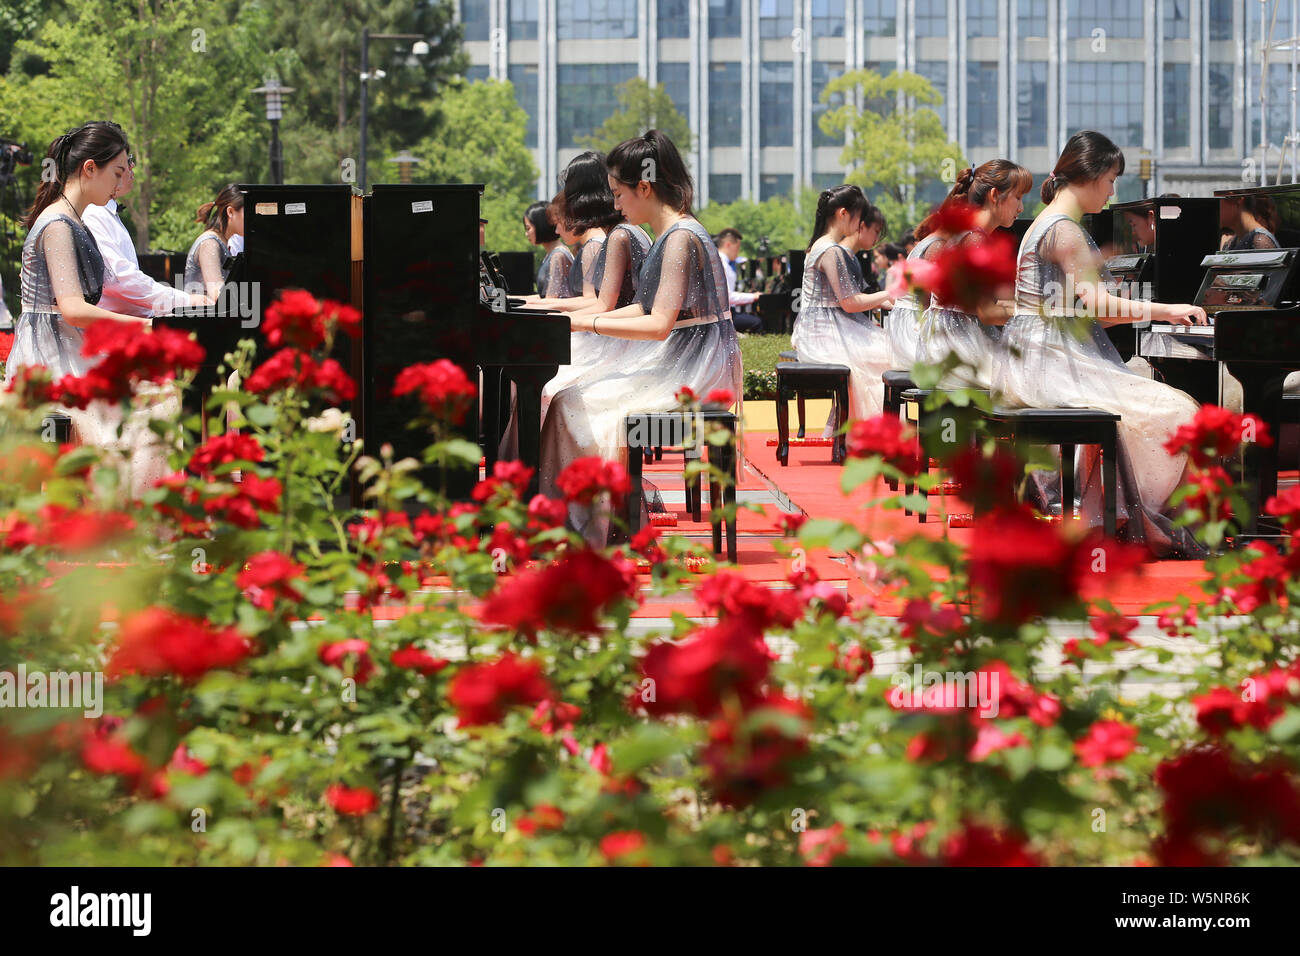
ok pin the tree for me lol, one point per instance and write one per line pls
(482, 141)
(779, 219)
(894, 149)
(173, 73)
(641, 107)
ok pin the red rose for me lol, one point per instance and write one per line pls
(268, 576)
(752, 753)
(586, 478)
(226, 449)
(545, 816)
(791, 522)
(78, 530)
(976, 845)
(694, 676)
(821, 847)
(482, 693)
(855, 661)
(298, 320)
(158, 641)
(1107, 741)
(625, 845)
(1216, 433)
(1286, 506)
(240, 506)
(887, 437)
(971, 274)
(545, 513)
(412, 658)
(442, 386)
(720, 396)
(686, 395)
(338, 653)
(729, 594)
(351, 801)
(569, 596)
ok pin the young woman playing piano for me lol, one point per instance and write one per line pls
(584, 213)
(831, 325)
(995, 191)
(1060, 357)
(680, 309)
(553, 274)
(208, 261)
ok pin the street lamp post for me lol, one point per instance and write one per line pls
(418, 48)
(274, 94)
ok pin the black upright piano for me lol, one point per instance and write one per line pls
(1253, 300)
(1156, 246)
(425, 299)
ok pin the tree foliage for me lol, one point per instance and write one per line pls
(641, 107)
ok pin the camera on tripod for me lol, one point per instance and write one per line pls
(12, 155)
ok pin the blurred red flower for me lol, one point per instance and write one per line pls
(159, 641)
(351, 801)
(482, 693)
(568, 596)
(442, 386)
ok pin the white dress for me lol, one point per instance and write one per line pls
(947, 331)
(825, 333)
(682, 274)
(1048, 366)
(903, 324)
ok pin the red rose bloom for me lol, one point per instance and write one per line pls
(226, 449)
(351, 801)
(1216, 433)
(545, 816)
(482, 693)
(586, 478)
(625, 845)
(888, 437)
(442, 386)
(569, 596)
(720, 396)
(268, 576)
(751, 754)
(338, 653)
(159, 641)
(727, 659)
(976, 845)
(412, 658)
(1107, 741)
(296, 319)
(975, 272)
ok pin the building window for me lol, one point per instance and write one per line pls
(828, 18)
(585, 97)
(775, 18)
(880, 18)
(724, 187)
(474, 17)
(1279, 104)
(675, 78)
(674, 19)
(932, 18)
(724, 104)
(476, 73)
(982, 18)
(1032, 19)
(773, 185)
(776, 104)
(982, 104)
(1220, 113)
(1107, 97)
(524, 80)
(822, 181)
(724, 18)
(936, 71)
(1220, 16)
(523, 19)
(1119, 18)
(1031, 103)
(823, 73)
(595, 19)
(1178, 103)
(1177, 24)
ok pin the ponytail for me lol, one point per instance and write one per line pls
(1087, 157)
(215, 215)
(831, 201)
(631, 160)
(100, 142)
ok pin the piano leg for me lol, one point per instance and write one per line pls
(489, 433)
(1261, 392)
(529, 381)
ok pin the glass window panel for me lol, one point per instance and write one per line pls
(524, 79)
(724, 104)
(776, 104)
(724, 18)
(981, 104)
(828, 18)
(1177, 106)
(823, 73)
(1107, 97)
(474, 18)
(1031, 103)
(595, 19)
(585, 97)
(523, 19)
(724, 187)
(674, 19)
(880, 18)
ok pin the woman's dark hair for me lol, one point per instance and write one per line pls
(974, 185)
(834, 199)
(653, 157)
(100, 142)
(1263, 209)
(873, 216)
(892, 253)
(216, 214)
(1087, 156)
(543, 228)
(588, 201)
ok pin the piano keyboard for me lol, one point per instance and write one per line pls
(1170, 329)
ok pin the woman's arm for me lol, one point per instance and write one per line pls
(836, 269)
(210, 266)
(65, 282)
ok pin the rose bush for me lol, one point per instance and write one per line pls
(290, 680)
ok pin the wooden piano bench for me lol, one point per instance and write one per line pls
(802, 379)
(688, 431)
(1067, 427)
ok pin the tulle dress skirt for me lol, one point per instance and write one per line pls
(1046, 365)
(946, 332)
(903, 327)
(586, 418)
(42, 338)
(835, 337)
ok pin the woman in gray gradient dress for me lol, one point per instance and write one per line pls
(208, 261)
(680, 309)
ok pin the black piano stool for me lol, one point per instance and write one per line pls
(792, 356)
(808, 378)
(896, 382)
(1067, 427)
(724, 457)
